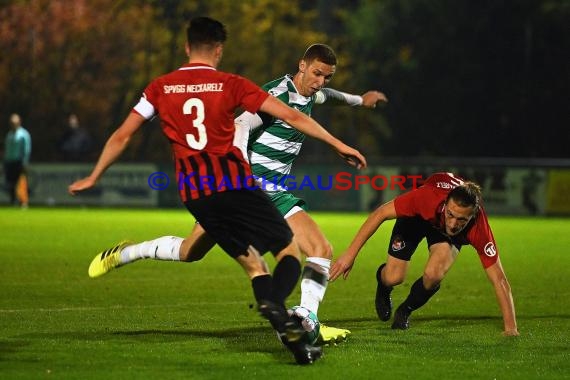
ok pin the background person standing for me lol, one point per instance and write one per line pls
(17, 151)
(75, 144)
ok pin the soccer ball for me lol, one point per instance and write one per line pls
(309, 321)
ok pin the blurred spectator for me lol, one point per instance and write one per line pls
(17, 151)
(75, 144)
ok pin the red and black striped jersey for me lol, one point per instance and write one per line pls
(196, 105)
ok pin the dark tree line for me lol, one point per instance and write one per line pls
(485, 78)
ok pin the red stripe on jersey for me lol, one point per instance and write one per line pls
(204, 174)
(196, 105)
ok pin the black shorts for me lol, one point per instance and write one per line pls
(409, 232)
(12, 172)
(239, 218)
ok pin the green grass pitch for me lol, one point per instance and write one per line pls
(165, 320)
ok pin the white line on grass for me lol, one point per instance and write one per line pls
(116, 307)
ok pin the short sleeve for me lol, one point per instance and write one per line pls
(481, 238)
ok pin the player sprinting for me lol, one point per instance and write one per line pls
(196, 104)
(449, 213)
(271, 146)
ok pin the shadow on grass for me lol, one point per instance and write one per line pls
(449, 318)
(257, 338)
(254, 339)
(11, 347)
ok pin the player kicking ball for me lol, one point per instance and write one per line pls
(196, 104)
(271, 146)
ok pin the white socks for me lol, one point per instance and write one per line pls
(314, 282)
(163, 248)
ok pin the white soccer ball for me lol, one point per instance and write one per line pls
(308, 320)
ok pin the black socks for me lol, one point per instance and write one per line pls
(262, 287)
(385, 289)
(281, 285)
(285, 278)
(418, 295)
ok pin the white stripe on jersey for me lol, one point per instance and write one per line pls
(145, 108)
(454, 181)
(269, 163)
(268, 186)
(283, 124)
(295, 98)
(279, 144)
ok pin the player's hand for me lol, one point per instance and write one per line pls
(80, 185)
(371, 98)
(342, 266)
(352, 156)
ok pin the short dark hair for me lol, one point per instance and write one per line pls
(205, 31)
(467, 194)
(322, 52)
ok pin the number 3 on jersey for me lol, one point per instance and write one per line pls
(195, 106)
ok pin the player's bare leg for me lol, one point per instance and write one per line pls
(318, 252)
(196, 245)
(271, 292)
(442, 256)
(163, 248)
(388, 275)
(169, 248)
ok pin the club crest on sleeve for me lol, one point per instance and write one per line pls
(490, 249)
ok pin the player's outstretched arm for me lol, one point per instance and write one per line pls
(311, 128)
(497, 276)
(343, 265)
(369, 99)
(114, 146)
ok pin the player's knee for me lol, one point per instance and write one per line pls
(393, 275)
(392, 278)
(291, 250)
(432, 277)
(322, 249)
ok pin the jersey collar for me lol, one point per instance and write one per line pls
(196, 66)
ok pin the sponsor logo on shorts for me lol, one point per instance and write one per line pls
(398, 244)
(490, 249)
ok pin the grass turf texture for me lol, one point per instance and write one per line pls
(193, 321)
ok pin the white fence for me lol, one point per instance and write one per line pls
(509, 188)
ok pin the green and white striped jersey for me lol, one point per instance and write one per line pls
(274, 146)
(271, 145)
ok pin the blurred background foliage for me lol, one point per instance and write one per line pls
(465, 79)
